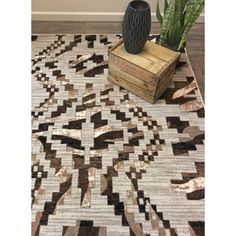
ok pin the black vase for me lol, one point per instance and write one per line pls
(136, 26)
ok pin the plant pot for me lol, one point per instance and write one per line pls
(136, 26)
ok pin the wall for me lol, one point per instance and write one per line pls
(85, 10)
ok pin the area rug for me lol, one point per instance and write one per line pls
(104, 161)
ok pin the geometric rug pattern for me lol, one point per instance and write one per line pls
(104, 161)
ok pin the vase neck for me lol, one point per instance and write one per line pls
(139, 5)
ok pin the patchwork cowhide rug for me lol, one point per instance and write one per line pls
(104, 161)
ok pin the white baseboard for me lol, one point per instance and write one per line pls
(87, 16)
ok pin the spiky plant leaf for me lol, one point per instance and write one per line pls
(158, 13)
(193, 11)
(167, 21)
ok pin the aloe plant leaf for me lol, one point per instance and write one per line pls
(158, 13)
(167, 21)
(194, 9)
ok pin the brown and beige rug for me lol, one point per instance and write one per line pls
(104, 161)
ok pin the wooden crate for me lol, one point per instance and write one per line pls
(147, 74)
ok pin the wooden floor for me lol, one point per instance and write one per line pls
(195, 42)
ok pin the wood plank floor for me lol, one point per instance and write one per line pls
(195, 41)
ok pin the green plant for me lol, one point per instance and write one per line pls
(177, 20)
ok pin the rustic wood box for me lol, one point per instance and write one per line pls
(147, 74)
